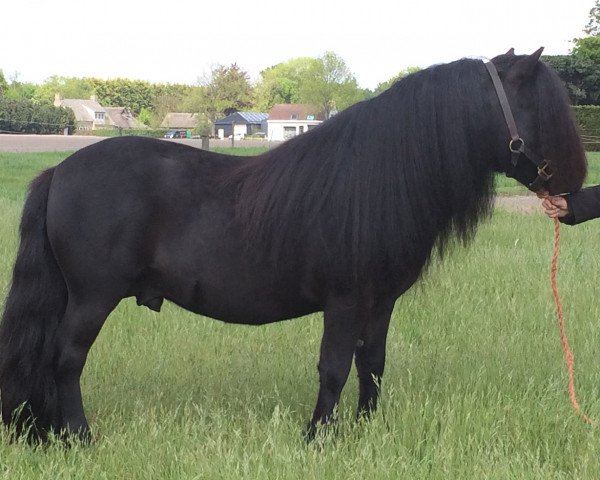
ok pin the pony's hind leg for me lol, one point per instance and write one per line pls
(370, 358)
(341, 329)
(76, 333)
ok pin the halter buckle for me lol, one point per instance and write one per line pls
(543, 172)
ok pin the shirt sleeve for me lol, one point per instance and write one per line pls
(583, 205)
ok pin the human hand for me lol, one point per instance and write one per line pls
(555, 206)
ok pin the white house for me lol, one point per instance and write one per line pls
(286, 120)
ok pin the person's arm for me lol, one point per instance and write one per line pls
(574, 208)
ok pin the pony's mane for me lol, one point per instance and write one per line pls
(383, 182)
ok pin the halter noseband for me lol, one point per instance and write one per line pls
(516, 144)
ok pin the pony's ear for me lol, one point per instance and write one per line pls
(504, 58)
(535, 56)
(525, 67)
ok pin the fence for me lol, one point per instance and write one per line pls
(591, 140)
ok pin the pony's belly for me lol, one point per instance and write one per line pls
(245, 307)
(245, 296)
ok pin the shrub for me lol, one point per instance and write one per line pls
(26, 116)
(116, 132)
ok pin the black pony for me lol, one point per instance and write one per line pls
(341, 219)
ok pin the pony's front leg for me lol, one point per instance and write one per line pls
(370, 357)
(341, 330)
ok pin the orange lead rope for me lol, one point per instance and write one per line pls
(561, 325)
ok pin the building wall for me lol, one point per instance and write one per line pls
(241, 129)
(224, 130)
(279, 130)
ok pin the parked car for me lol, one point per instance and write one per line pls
(176, 134)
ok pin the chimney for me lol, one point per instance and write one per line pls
(58, 99)
(93, 98)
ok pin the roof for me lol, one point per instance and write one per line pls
(180, 120)
(295, 111)
(243, 117)
(84, 110)
(122, 117)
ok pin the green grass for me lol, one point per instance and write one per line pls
(240, 150)
(17, 169)
(475, 385)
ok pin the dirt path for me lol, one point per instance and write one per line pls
(44, 143)
(519, 203)
(62, 143)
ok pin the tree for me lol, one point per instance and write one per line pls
(3, 84)
(330, 85)
(325, 82)
(121, 92)
(204, 126)
(581, 77)
(226, 90)
(588, 48)
(593, 26)
(19, 90)
(67, 87)
(281, 83)
(162, 104)
(383, 86)
(145, 116)
(580, 71)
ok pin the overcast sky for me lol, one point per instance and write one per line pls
(179, 41)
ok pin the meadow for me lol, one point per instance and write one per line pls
(475, 384)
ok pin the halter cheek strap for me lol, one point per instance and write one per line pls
(516, 144)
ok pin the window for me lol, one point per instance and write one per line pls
(99, 115)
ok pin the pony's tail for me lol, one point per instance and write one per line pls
(34, 307)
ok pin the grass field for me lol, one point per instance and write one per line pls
(475, 385)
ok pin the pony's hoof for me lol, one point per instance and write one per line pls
(310, 432)
(81, 435)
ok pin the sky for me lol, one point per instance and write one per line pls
(181, 41)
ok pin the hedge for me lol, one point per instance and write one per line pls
(26, 116)
(116, 132)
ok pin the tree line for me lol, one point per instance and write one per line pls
(325, 82)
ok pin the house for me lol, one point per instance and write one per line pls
(286, 120)
(89, 114)
(240, 124)
(122, 118)
(180, 121)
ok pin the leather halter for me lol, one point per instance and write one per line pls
(516, 144)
